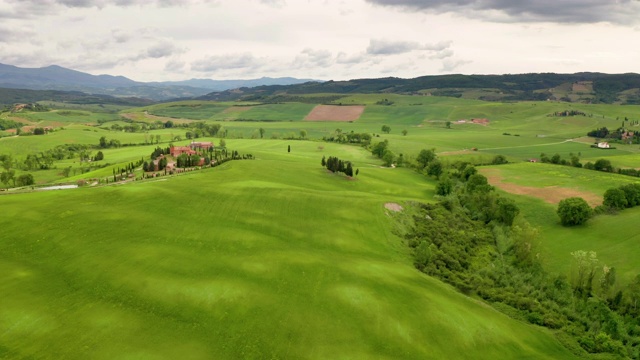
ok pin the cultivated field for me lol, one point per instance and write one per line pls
(335, 113)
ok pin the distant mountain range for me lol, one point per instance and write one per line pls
(580, 87)
(58, 78)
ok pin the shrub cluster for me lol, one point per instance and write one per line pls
(625, 196)
(334, 165)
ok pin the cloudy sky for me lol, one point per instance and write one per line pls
(158, 40)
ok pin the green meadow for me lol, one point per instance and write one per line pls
(613, 237)
(272, 257)
(276, 257)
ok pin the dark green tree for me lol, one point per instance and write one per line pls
(25, 180)
(388, 157)
(499, 160)
(603, 165)
(103, 142)
(435, 168)
(574, 211)
(349, 170)
(478, 183)
(425, 157)
(7, 176)
(615, 199)
(379, 148)
(575, 161)
(422, 255)
(632, 194)
(506, 211)
(444, 186)
(386, 129)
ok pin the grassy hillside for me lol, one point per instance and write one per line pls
(276, 257)
(266, 258)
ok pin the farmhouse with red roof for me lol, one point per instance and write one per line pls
(179, 150)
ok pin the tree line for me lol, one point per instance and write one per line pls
(604, 165)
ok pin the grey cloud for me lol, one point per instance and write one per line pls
(161, 50)
(389, 47)
(344, 58)
(120, 36)
(25, 59)
(450, 65)
(442, 54)
(175, 66)
(563, 11)
(310, 58)
(11, 34)
(225, 62)
(439, 46)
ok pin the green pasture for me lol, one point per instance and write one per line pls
(546, 175)
(613, 237)
(80, 134)
(195, 111)
(266, 258)
(278, 112)
(86, 107)
(276, 257)
(57, 117)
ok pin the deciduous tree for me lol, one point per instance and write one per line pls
(615, 198)
(574, 211)
(425, 157)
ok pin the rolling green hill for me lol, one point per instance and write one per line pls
(267, 258)
(276, 257)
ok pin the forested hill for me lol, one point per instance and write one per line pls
(13, 96)
(579, 87)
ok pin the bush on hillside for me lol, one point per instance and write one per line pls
(574, 211)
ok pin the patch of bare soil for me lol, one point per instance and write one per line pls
(335, 113)
(550, 194)
(393, 207)
(582, 86)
